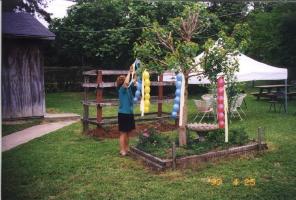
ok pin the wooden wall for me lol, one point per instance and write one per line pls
(22, 80)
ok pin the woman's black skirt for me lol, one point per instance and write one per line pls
(126, 122)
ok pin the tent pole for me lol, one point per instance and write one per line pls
(286, 100)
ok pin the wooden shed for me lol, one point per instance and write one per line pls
(23, 38)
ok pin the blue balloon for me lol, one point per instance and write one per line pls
(174, 114)
(176, 107)
(179, 77)
(177, 100)
(178, 92)
(139, 86)
(178, 84)
(138, 93)
(135, 99)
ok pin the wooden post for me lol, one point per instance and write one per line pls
(160, 95)
(174, 155)
(86, 80)
(99, 96)
(85, 107)
(260, 137)
(85, 118)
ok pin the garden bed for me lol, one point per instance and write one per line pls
(160, 164)
(112, 131)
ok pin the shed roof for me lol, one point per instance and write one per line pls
(24, 25)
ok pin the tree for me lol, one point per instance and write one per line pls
(171, 47)
(30, 6)
(102, 32)
(273, 34)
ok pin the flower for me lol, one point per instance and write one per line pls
(145, 134)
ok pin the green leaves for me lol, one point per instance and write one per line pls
(102, 32)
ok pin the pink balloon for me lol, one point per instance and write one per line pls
(220, 91)
(220, 82)
(221, 124)
(221, 116)
(220, 108)
(220, 99)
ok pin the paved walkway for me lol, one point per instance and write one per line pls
(12, 140)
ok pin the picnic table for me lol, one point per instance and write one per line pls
(266, 90)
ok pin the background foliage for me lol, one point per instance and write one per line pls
(102, 33)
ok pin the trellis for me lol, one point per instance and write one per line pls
(99, 102)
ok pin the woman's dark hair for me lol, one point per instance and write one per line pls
(120, 80)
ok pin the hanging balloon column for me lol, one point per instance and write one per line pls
(220, 102)
(176, 106)
(138, 91)
(139, 81)
(146, 96)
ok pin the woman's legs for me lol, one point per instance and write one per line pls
(122, 143)
(126, 142)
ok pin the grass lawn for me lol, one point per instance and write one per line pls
(68, 165)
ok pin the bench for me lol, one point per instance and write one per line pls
(291, 94)
(264, 94)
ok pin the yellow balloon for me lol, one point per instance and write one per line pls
(147, 96)
(147, 90)
(146, 75)
(147, 82)
(146, 103)
(146, 109)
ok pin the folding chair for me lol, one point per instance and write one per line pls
(236, 104)
(204, 107)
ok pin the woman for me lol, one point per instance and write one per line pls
(126, 121)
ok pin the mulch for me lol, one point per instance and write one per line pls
(111, 131)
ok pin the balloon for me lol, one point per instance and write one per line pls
(220, 108)
(220, 99)
(221, 116)
(220, 82)
(138, 93)
(147, 89)
(146, 109)
(176, 107)
(135, 99)
(146, 75)
(174, 114)
(177, 100)
(178, 84)
(139, 86)
(221, 124)
(220, 91)
(147, 83)
(147, 96)
(146, 103)
(178, 92)
(179, 77)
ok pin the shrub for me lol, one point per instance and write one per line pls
(238, 136)
(216, 137)
(150, 139)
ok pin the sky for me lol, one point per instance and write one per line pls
(58, 8)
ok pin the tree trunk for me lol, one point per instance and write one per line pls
(182, 129)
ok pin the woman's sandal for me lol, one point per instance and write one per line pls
(123, 153)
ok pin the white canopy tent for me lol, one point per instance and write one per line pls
(249, 70)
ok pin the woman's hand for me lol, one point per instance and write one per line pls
(131, 70)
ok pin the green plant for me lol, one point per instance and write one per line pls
(150, 139)
(238, 136)
(216, 136)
